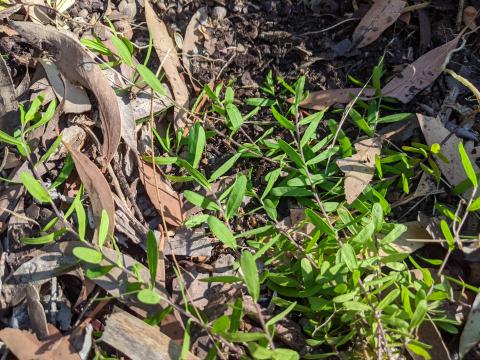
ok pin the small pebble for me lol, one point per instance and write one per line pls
(83, 13)
(219, 13)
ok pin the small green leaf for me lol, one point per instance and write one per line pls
(377, 216)
(291, 153)
(98, 271)
(356, 306)
(394, 118)
(34, 188)
(122, 50)
(221, 324)
(395, 233)
(149, 77)
(149, 297)
(467, 165)
(236, 196)
(419, 314)
(50, 151)
(290, 191)
(197, 175)
(64, 173)
(196, 144)
(282, 120)
(234, 116)
(103, 228)
(475, 205)
(419, 350)
(448, 235)
(200, 200)
(196, 220)
(81, 215)
(45, 239)
(152, 256)
(88, 255)
(347, 256)
(323, 155)
(271, 178)
(46, 117)
(222, 232)
(320, 223)
(281, 314)
(250, 274)
(227, 165)
(388, 299)
(226, 279)
(9, 139)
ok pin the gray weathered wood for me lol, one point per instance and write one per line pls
(138, 340)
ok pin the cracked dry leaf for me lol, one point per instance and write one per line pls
(319, 100)
(379, 17)
(165, 49)
(420, 74)
(436, 133)
(77, 66)
(161, 194)
(97, 188)
(360, 168)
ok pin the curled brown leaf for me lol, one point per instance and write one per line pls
(97, 188)
(77, 66)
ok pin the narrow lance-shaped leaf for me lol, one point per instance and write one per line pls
(122, 50)
(236, 196)
(149, 77)
(250, 274)
(103, 229)
(222, 232)
(467, 165)
(152, 256)
(196, 144)
(34, 188)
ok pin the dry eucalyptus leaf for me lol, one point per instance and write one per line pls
(379, 17)
(76, 98)
(77, 66)
(161, 194)
(97, 188)
(360, 168)
(436, 133)
(25, 346)
(319, 100)
(168, 56)
(419, 74)
(192, 37)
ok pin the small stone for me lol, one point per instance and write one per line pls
(124, 27)
(83, 13)
(219, 12)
